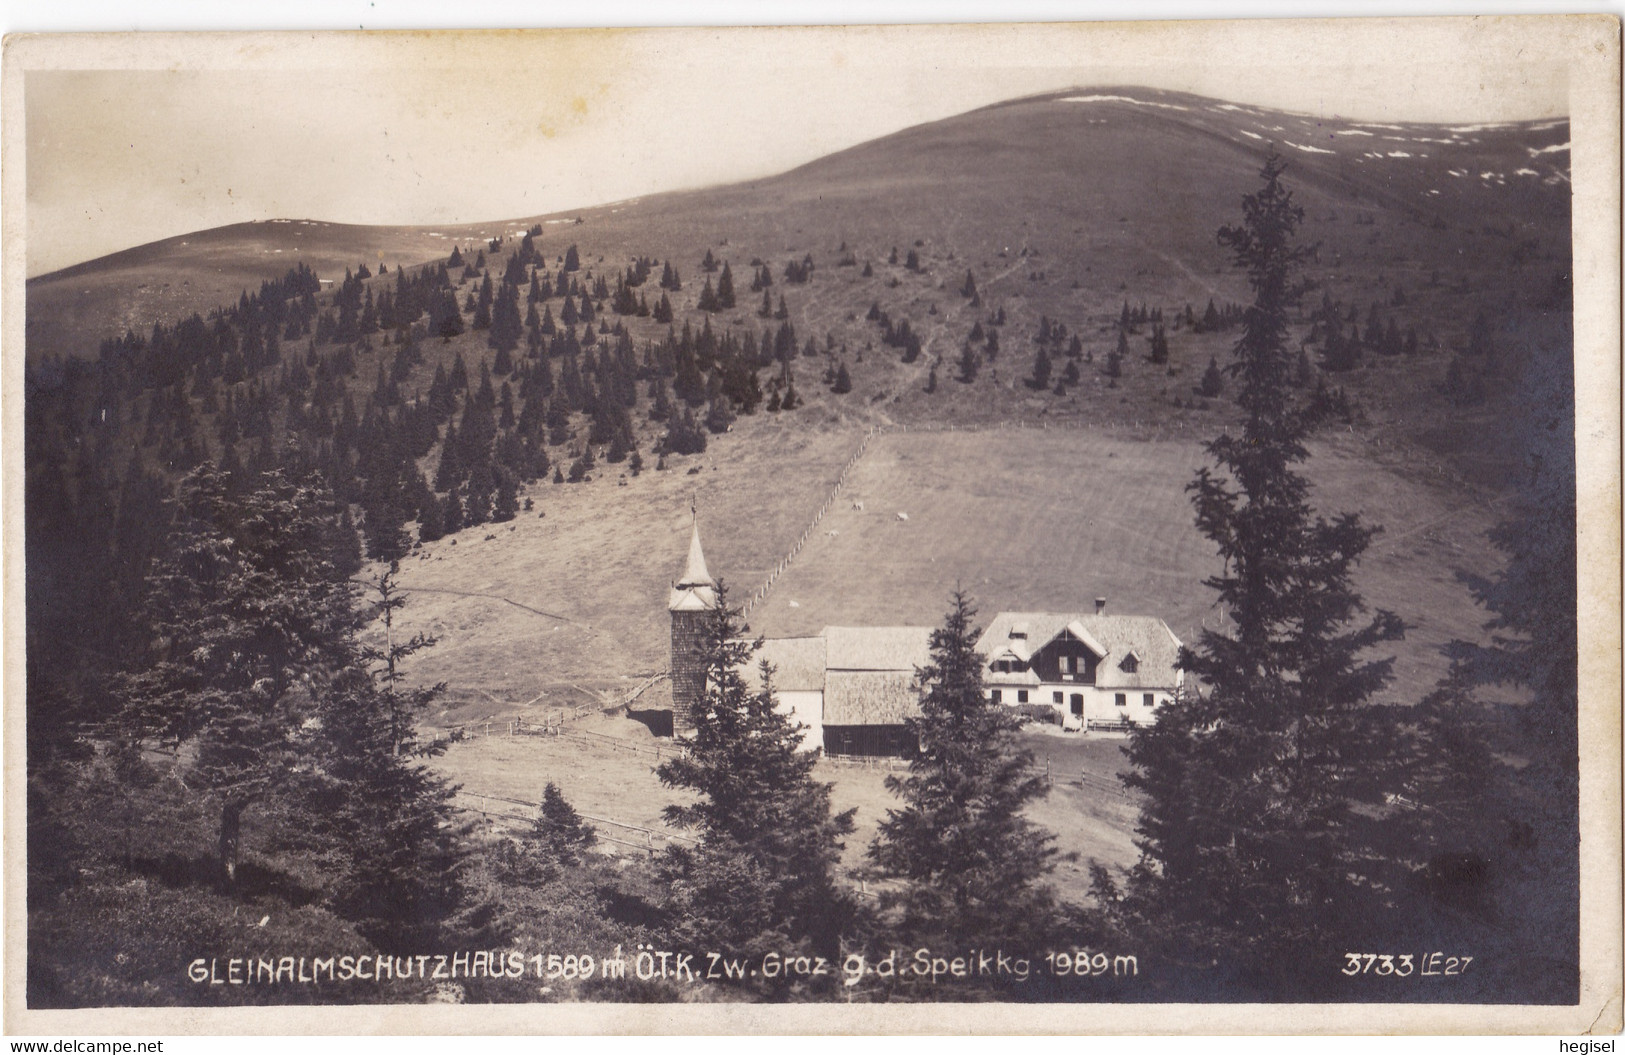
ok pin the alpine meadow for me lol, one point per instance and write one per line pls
(1113, 545)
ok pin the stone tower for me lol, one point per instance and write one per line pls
(693, 598)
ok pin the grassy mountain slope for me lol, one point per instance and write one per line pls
(1066, 205)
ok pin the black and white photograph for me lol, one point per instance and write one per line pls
(1077, 523)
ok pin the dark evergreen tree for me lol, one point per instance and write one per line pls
(431, 520)
(388, 818)
(450, 472)
(479, 494)
(969, 364)
(1251, 851)
(1503, 836)
(1212, 380)
(684, 435)
(385, 528)
(559, 829)
(453, 515)
(708, 298)
(763, 876)
(506, 503)
(1041, 371)
(244, 616)
(1159, 345)
(843, 381)
(725, 289)
(972, 866)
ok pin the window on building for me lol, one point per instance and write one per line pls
(1056, 698)
(998, 697)
(1021, 695)
(1122, 699)
(1066, 664)
(1150, 700)
(1130, 664)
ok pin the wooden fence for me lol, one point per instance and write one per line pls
(516, 813)
(502, 810)
(550, 722)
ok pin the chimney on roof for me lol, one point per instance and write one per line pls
(1100, 606)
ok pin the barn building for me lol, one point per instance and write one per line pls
(853, 688)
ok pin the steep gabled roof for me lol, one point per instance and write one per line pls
(898, 648)
(1081, 632)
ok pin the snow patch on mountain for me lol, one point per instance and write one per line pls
(1120, 99)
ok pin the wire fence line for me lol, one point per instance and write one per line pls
(773, 577)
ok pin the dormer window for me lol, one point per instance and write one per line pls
(1019, 631)
(1130, 664)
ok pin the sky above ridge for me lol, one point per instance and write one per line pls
(129, 141)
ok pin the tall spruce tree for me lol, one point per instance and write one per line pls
(1251, 852)
(972, 866)
(1503, 836)
(368, 794)
(763, 874)
(246, 623)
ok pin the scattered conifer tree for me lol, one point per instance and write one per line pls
(560, 830)
(1250, 850)
(1041, 371)
(969, 364)
(763, 876)
(972, 866)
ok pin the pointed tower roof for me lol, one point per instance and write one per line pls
(696, 590)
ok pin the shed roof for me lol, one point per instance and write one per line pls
(798, 664)
(896, 648)
(870, 697)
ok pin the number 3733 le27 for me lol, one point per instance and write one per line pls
(1405, 965)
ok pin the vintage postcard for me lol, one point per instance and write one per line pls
(1036, 528)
